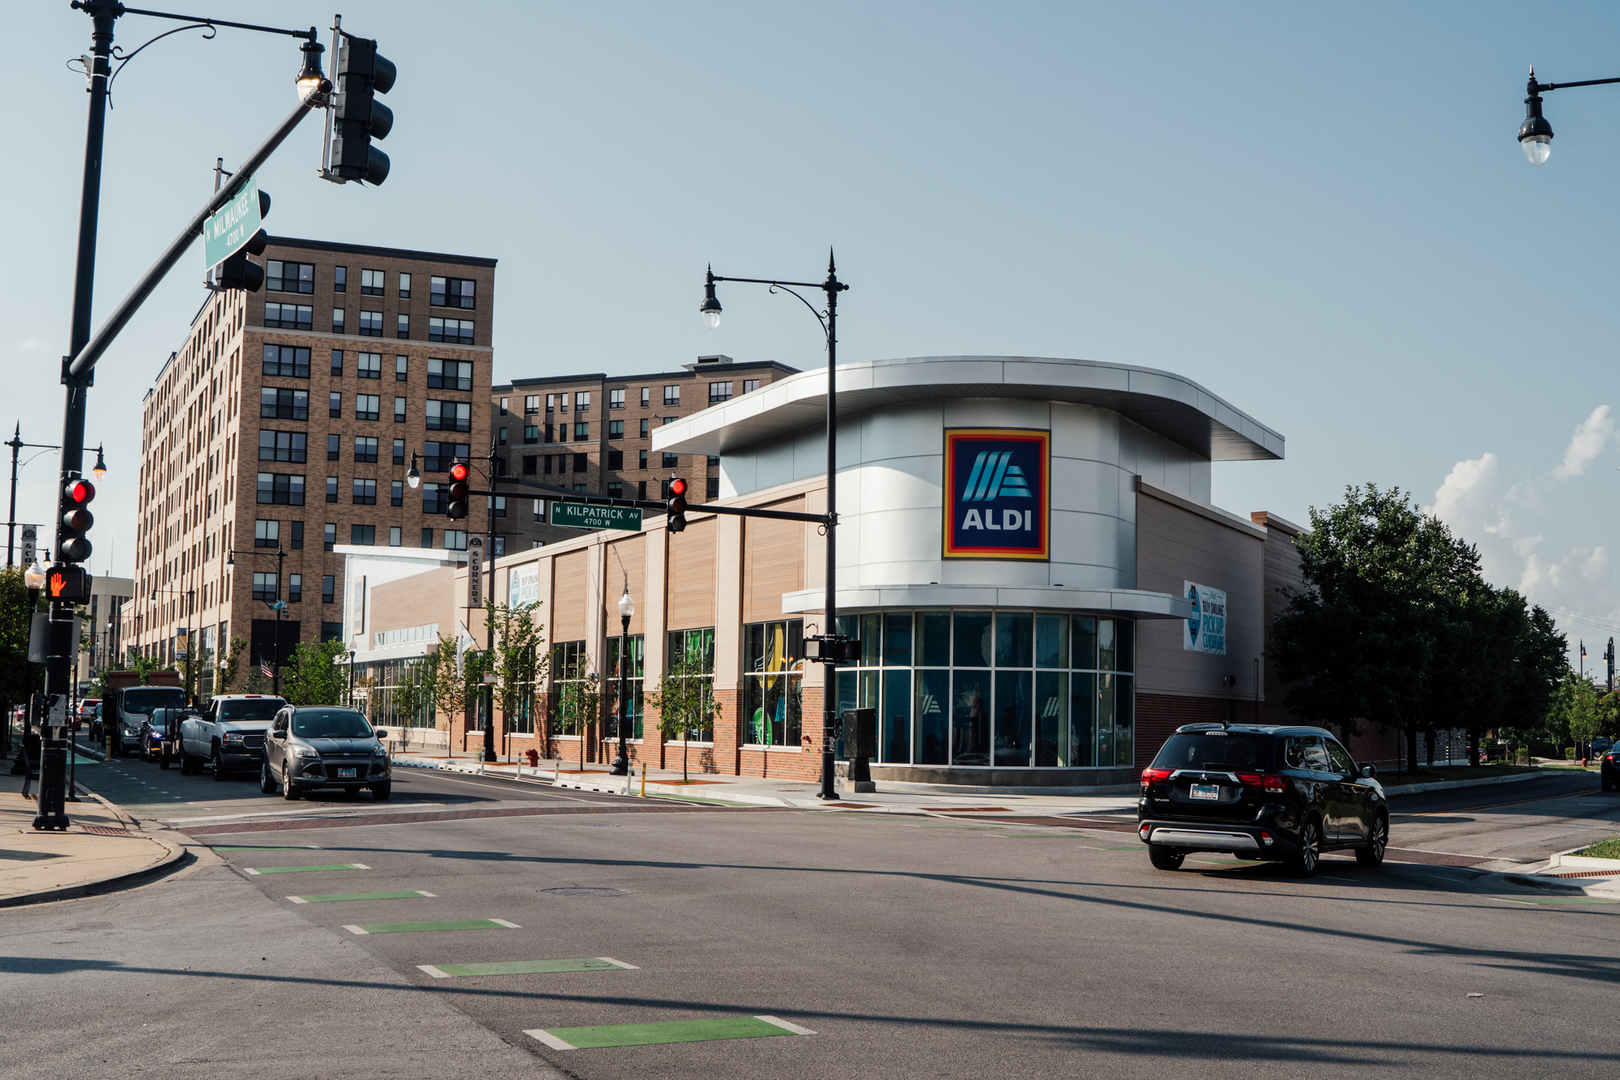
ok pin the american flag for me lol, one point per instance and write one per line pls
(264, 668)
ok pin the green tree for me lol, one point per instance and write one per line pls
(521, 658)
(17, 679)
(314, 676)
(453, 691)
(225, 668)
(579, 700)
(143, 666)
(1584, 718)
(685, 701)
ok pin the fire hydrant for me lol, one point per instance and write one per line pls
(534, 758)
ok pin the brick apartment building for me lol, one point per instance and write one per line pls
(286, 422)
(593, 433)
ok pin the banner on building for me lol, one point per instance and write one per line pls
(523, 585)
(1205, 630)
(357, 607)
(997, 493)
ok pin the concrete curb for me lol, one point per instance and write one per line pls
(1454, 785)
(173, 853)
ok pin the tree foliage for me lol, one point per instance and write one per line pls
(142, 666)
(225, 669)
(17, 681)
(684, 700)
(315, 677)
(520, 659)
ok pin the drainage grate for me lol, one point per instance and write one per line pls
(104, 830)
(1587, 873)
(585, 890)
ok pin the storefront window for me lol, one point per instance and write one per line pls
(772, 674)
(573, 686)
(696, 647)
(1006, 689)
(634, 646)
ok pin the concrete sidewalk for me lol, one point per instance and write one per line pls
(768, 791)
(100, 850)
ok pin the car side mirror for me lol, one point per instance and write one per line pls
(1369, 771)
(278, 734)
(382, 733)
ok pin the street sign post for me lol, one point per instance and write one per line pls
(232, 226)
(589, 516)
(475, 571)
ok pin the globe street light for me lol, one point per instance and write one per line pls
(1536, 134)
(627, 608)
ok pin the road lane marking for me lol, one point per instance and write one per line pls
(306, 869)
(263, 847)
(330, 898)
(526, 967)
(669, 1031)
(418, 927)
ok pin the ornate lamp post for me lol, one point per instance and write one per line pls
(627, 608)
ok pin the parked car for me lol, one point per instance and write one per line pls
(1609, 770)
(229, 733)
(87, 709)
(132, 706)
(1260, 792)
(155, 742)
(1599, 746)
(324, 746)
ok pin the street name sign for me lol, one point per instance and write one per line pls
(234, 225)
(590, 516)
(475, 571)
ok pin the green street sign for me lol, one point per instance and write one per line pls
(589, 516)
(234, 225)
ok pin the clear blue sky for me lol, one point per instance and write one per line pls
(1318, 212)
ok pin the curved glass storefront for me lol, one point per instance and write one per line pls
(1000, 689)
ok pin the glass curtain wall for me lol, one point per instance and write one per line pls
(635, 647)
(1006, 689)
(773, 673)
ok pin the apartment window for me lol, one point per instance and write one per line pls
(399, 451)
(582, 432)
(615, 490)
(289, 317)
(334, 444)
(334, 405)
(286, 362)
(331, 489)
(427, 538)
(750, 385)
(295, 588)
(372, 282)
(581, 462)
(456, 331)
(714, 461)
(719, 391)
(435, 499)
(281, 488)
(399, 410)
(450, 374)
(582, 401)
(504, 402)
(368, 365)
(615, 460)
(365, 449)
(402, 327)
(455, 540)
(531, 403)
(551, 403)
(328, 588)
(499, 506)
(548, 465)
(672, 395)
(615, 399)
(644, 424)
(396, 536)
(339, 320)
(396, 494)
(641, 489)
(364, 492)
(363, 535)
(437, 456)
(329, 537)
(282, 446)
(671, 460)
(337, 363)
(646, 396)
(267, 534)
(530, 465)
(581, 487)
(641, 462)
(402, 366)
(561, 432)
(265, 587)
(340, 279)
(448, 415)
(503, 436)
(615, 429)
(670, 419)
(371, 324)
(366, 406)
(289, 276)
(404, 286)
(539, 515)
(451, 292)
(713, 488)
(531, 434)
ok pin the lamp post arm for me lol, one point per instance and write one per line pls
(306, 34)
(1542, 88)
(787, 287)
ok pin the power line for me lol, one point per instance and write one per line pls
(1606, 624)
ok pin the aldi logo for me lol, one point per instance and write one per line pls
(997, 493)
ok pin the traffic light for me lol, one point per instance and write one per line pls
(677, 505)
(359, 117)
(236, 272)
(459, 472)
(73, 545)
(67, 583)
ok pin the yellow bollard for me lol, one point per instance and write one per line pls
(643, 779)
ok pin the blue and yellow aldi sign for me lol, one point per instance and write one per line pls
(997, 493)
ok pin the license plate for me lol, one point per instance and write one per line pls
(342, 773)
(1205, 791)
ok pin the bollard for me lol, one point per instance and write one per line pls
(643, 779)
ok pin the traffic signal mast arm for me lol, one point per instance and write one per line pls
(569, 495)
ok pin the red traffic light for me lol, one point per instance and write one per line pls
(459, 470)
(677, 487)
(78, 492)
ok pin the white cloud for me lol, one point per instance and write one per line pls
(1589, 440)
(34, 344)
(1468, 492)
(1582, 568)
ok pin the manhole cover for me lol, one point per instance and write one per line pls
(586, 890)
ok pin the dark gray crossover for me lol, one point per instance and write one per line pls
(324, 746)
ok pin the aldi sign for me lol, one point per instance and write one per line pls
(1205, 629)
(997, 493)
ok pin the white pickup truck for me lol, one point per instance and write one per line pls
(229, 735)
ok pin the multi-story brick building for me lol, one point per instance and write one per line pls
(593, 433)
(285, 424)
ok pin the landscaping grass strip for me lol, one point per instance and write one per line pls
(330, 898)
(526, 967)
(306, 869)
(669, 1031)
(417, 927)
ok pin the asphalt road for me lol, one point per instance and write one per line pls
(912, 947)
(1520, 822)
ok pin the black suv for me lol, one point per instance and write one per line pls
(1260, 792)
(1609, 770)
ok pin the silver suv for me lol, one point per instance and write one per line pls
(324, 746)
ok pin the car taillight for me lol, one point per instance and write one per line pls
(1151, 776)
(1269, 782)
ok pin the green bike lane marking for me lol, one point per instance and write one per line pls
(305, 869)
(668, 1031)
(331, 898)
(526, 967)
(417, 927)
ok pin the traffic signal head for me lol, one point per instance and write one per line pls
(459, 474)
(67, 583)
(359, 117)
(236, 272)
(73, 545)
(677, 505)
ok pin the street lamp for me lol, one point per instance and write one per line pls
(413, 477)
(830, 642)
(310, 78)
(627, 608)
(1536, 134)
(16, 444)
